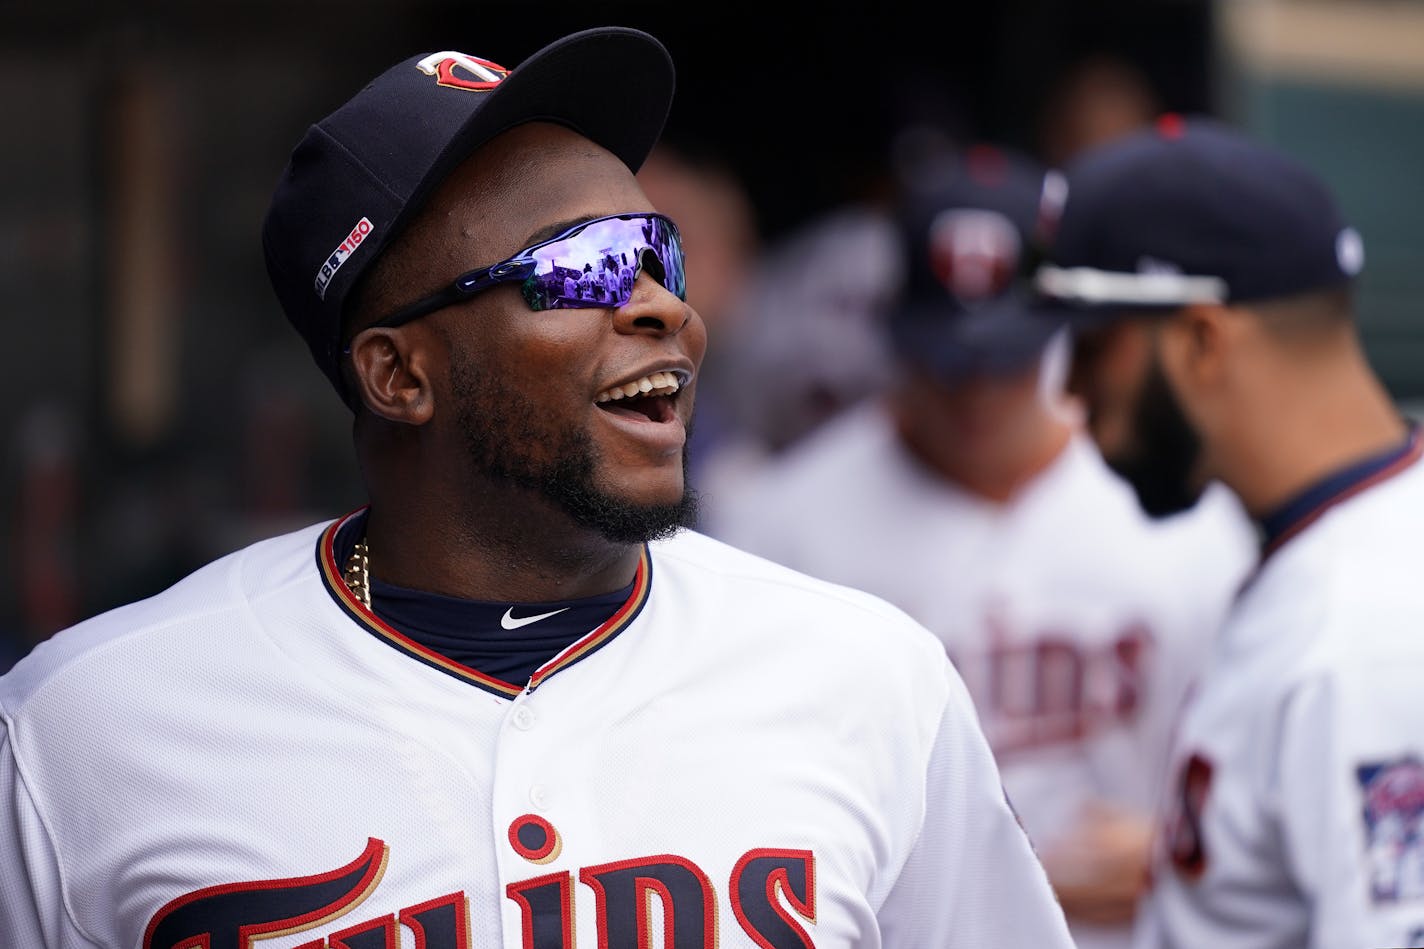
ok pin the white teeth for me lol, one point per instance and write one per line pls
(658, 383)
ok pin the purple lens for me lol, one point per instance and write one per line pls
(597, 263)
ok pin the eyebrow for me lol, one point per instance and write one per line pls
(554, 230)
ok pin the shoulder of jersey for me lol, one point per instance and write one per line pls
(857, 433)
(225, 585)
(1372, 534)
(766, 584)
(1347, 588)
(1216, 531)
(804, 475)
(1103, 498)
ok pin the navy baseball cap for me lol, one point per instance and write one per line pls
(968, 222)
(359, 176)
(1190, 210)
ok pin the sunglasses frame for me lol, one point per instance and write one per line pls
(521, 267)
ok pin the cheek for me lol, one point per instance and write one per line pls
(695, 336)
(544, 358)
(692, 340)
(1171, 362)
(1111, 425)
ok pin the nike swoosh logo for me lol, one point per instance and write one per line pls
(509, 622)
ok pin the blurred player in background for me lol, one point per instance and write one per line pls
(1210, 278)
(970, 496)
(806, 331)
(1098, 98)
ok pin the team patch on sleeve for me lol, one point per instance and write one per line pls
(1393, 809)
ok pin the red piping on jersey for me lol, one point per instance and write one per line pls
(1410, 456)
(336, 586)
(610, 627)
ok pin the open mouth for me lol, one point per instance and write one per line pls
(653, 397)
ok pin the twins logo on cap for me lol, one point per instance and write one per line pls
(973, 252)
(442, 65)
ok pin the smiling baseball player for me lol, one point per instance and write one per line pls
(511, 701)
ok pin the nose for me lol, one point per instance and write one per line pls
(652, 309)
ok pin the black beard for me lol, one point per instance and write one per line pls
(568, 483)
(1166, 450)
(501, 441)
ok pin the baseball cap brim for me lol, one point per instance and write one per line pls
(1001, 336)
(1084, 316)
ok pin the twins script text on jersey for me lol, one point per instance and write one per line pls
(231, 916)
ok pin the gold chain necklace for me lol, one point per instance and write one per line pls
(357, 575)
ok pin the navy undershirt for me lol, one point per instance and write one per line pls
(470, 631)
(1323, 492)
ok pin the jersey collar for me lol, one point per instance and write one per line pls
(1290, 519)
(330, 571)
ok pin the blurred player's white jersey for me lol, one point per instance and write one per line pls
(1296, 808)
(1076, 621)
(742, 756)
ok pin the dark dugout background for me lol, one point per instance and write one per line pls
(802, 99)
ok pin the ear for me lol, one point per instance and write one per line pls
(1198, 341)
(390, 373)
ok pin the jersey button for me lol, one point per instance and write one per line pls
(523, 718)
(539, 796)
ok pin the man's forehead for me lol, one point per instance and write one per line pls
(538, 174)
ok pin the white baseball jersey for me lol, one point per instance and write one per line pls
(1296, 814)
(1075, 620)
(740, 756)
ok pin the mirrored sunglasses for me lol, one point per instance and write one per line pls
(593, 264)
